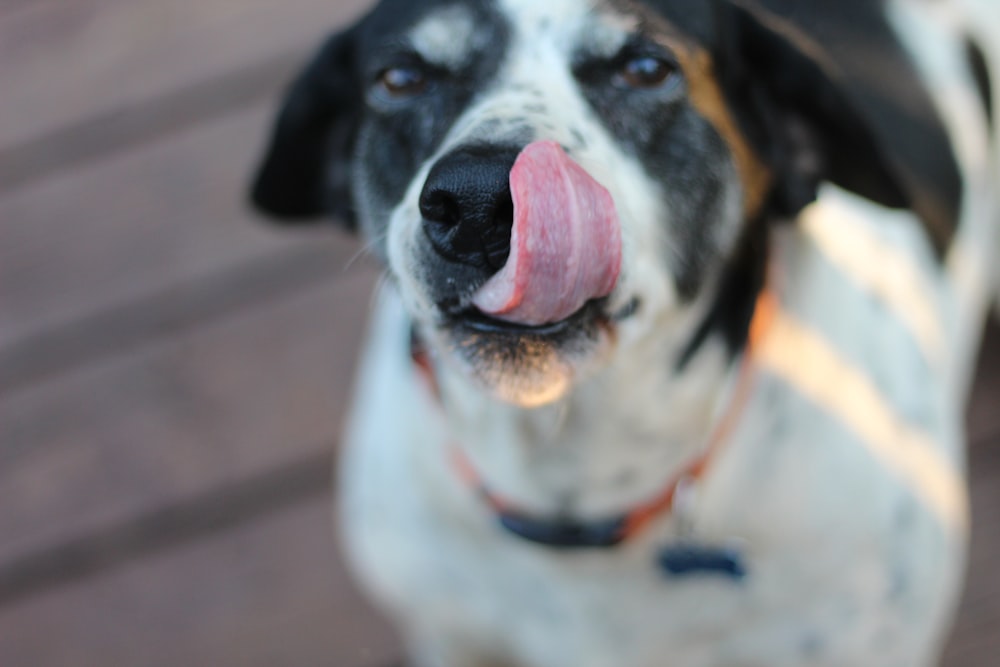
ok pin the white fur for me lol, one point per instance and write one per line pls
(446, 38)
(855, 543)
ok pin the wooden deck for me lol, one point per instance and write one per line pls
(173, 374)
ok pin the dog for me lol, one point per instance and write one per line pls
(680, 308)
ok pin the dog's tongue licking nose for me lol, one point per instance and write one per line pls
(565, 245)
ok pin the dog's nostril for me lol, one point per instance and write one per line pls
(467, 207)
(440, 207)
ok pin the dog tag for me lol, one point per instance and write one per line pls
(686, 556)
(688, 559)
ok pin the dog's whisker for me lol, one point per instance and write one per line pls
(368, 247)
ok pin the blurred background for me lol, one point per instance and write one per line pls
(173, 373)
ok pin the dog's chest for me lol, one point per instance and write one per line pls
(837, 572)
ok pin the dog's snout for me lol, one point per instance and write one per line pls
(467, 207)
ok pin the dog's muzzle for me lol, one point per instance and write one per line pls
(525, 249)
(542, 233)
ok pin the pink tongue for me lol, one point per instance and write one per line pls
(565, 246)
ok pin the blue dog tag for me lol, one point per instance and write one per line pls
(687, 559)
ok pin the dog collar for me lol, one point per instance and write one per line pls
(567, 533)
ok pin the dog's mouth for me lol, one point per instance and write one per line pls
(478, 322)
(532, 364)
(593, 313)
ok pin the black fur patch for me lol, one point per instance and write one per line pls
(733, 308)
(881, 80)
(306, 169)
(872, 77)
(981, 74)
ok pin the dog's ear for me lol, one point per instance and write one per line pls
(796, 111)
(305, 172)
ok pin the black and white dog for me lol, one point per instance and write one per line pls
(682, 299)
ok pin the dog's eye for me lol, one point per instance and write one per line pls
(402, 81)
(645, 72)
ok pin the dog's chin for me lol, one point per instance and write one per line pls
(529, 366)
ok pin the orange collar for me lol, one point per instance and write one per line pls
(564, 533)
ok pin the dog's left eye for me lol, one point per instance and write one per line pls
(645, 72)
(402, 81)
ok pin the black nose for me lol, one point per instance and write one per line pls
(467, 207)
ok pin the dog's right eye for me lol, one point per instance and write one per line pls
(402, 81)
(645, 72)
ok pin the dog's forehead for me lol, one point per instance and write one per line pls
(592, 25)
(449, 34)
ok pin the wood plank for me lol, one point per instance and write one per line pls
(271, 592)
(175, 418)
(168, 312)
(164, 527)
(975, 641)
(63, 61)
(95, 137)
(983, 414)
(138, 224)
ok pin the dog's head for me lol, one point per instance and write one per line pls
(550, 180)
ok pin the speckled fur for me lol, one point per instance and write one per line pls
(855, 553)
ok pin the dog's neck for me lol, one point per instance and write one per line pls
(614, 441)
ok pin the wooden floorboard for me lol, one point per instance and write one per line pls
(127, 228)
(983, 414)
(975, 641)
(171, 311)
(89, 138)
(64, 62)
(164, 460)
(170, 420)
(167, 526)
(262, 594)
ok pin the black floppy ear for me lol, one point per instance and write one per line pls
(795, 108)
(305, 172)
